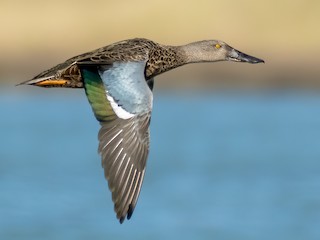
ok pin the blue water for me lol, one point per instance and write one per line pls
(223, 165)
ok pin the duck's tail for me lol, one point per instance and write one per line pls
(68, 77)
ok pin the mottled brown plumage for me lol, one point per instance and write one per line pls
(160, 58)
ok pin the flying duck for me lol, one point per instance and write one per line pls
(118, 81)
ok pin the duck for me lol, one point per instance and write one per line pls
(118, 80)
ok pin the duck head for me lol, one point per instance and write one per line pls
(214, 51)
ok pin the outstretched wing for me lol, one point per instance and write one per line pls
(122, 102)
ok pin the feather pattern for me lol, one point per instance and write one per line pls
(123, 141)
(124, 147)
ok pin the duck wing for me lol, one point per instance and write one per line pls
(122, 102)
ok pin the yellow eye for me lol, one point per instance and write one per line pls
(218, 46)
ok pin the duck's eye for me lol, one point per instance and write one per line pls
(218, 46)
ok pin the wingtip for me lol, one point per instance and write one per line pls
(130, 211)
(129, 214)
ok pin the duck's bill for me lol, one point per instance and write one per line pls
(238, 56)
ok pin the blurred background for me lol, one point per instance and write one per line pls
(235, 148)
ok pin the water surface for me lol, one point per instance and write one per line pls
(223, 165)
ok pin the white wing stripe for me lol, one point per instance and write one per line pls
(116, 159)
(125, 200)
(124, 156)
(136, 194)
(126, 183)
(124, 171)
(131, 190)
(121, 113)
(120, 141)
(112, 139)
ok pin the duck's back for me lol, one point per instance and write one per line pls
(68, 72)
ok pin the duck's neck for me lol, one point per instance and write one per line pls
(191, 53)
(164, 58)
